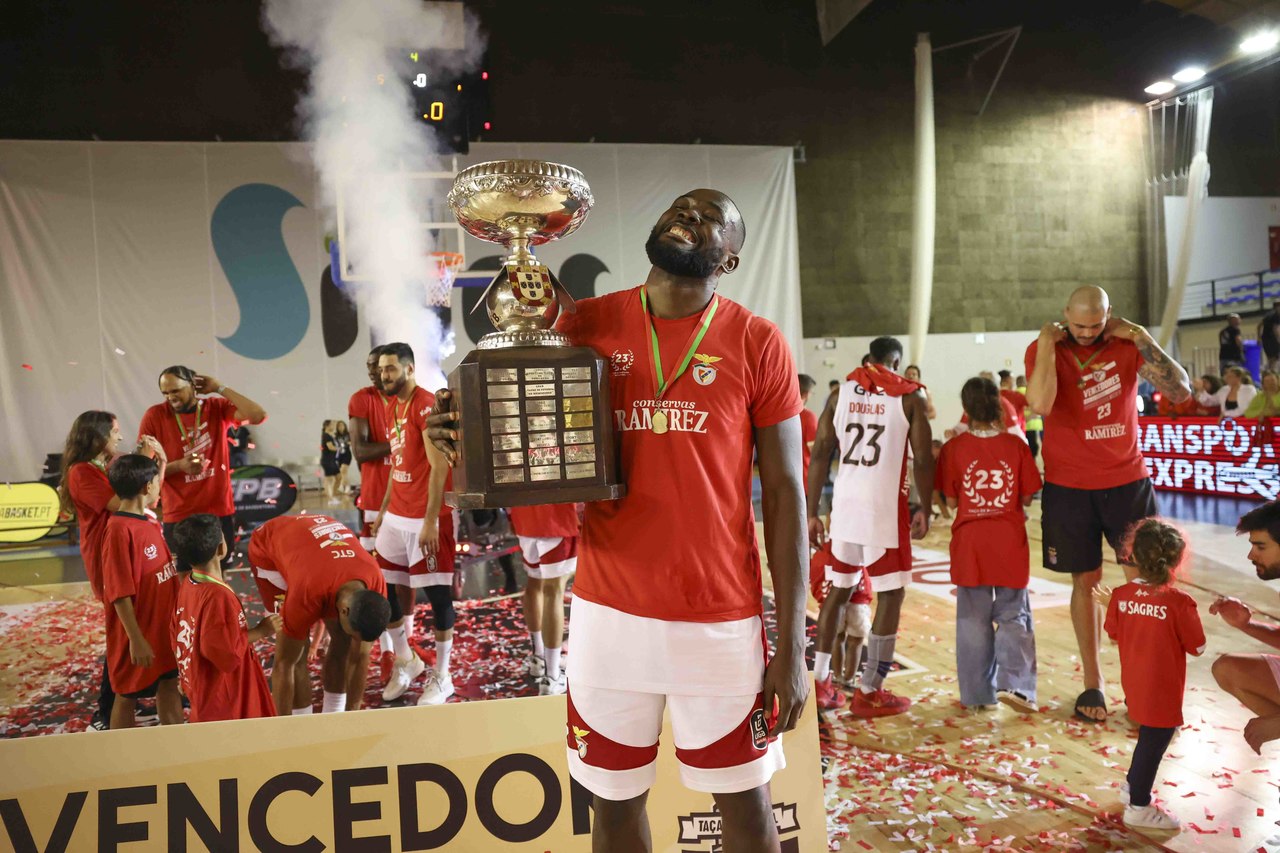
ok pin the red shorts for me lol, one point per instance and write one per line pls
(825, 572)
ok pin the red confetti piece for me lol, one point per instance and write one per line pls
(27, 367)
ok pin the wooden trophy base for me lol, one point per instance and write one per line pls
(534, 428)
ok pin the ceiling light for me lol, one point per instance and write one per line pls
(1161, 88)
(1260, 42)
(1189, 75)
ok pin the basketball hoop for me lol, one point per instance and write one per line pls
(439, 286)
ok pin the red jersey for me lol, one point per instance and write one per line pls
(1019, 404)
(681, 546)
(184, 495)
(370, 403)
(548, 521)
(988, 477)
(1156, 628)
(315, 555)
(410, 469)
(136, 564)
(808, 432)
(90, 492)
(1091, 435)
(220, 673)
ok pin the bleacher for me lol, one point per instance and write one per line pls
(1238, 294)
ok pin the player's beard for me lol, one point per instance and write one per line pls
(1268, 573)
(395, 388)
(690, 263)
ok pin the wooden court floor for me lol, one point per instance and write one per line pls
(943, 778)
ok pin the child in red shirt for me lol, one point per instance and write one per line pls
(219, 672)
(140, 590)
(988, 476)
(1156, 626)
(855, 620)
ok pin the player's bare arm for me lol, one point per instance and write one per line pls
(1042, 384)
(362, 448)
(1237, 614)
(916, 407)
(820, 465)
(429, 538)
(1160, 370)
(786, 677)
(246, 409)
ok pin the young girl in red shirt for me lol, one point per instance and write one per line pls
(1156, 626)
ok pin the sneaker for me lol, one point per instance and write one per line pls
(829, 698)
(1150, 817)
(436, 690)
(1017, 701)
(552, 686)
(1124, 794)
(386, 664)
(403, 672)
(97, 724)
(537, 666)
(145, 713)
(881, 703)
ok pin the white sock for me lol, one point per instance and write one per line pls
(408, 626)
(821, 665)
(552, 657)
(400, 642)
(443, 647)
(333, 703)
(302, 712)
(536, 637)
(384, 642)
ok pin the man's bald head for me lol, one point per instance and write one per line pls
(1087, 312)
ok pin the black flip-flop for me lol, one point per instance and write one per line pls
(1091, 698)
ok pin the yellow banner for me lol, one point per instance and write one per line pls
(27, 511)
(472, 776)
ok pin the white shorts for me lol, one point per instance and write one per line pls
(722, 743)
(621, 651)
(401, 559)
(857, 619)
(887, 568)
(549, 557)
(842, 580)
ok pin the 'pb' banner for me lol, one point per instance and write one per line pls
(261, 493)
(477, 776)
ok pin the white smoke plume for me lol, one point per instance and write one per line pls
(358, 112)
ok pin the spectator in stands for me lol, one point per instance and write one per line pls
(1205, 389)
(1231, 344)
(1267, 403)
(1234, 397)
(1269, 337)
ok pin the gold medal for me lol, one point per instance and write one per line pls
(659, 422)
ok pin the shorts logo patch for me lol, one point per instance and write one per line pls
(580, 735)
(1053, 556)
(759, 731)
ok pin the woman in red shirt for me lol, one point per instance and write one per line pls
(93, 441)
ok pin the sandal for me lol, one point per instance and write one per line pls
(1091, 698)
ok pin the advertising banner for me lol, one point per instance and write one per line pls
(261, 492)
(28, 511)
(476, 776)
(1234, 457)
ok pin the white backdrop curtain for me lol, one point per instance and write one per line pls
(108, 272)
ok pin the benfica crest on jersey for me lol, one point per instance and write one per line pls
(531, 285)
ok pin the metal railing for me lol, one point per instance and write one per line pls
(1236, 294)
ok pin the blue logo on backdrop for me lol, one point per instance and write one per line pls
(248, 238)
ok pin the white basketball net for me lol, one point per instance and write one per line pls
(442, 269)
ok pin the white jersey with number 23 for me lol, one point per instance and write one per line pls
(872, 429)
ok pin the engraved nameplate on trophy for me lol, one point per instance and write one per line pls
(533, 409)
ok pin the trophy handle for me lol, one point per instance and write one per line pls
(501, 276)
(562, 294)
